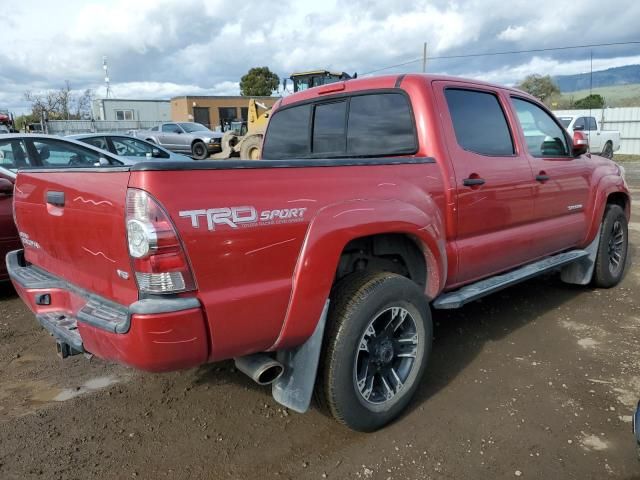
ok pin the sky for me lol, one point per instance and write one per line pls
(165, 48)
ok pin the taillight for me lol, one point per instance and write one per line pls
(157, 255)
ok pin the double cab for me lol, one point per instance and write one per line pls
(317, 267)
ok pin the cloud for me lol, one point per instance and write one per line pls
(512, 33)
(159, 48)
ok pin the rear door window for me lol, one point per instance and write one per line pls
(591, 124)
(479, 122)
(380, 125)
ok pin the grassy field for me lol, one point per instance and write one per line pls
(622, 158)
(615, 96)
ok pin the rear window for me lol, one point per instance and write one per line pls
(329, 124)
(376, 125)
(479, 122)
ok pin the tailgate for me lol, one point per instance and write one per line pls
(72, 224)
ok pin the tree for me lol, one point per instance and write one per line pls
(62, 104)
(82, 104)
(542, 87)
(590, 101)
(259, 82)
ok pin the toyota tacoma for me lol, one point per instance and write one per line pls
(317, 267)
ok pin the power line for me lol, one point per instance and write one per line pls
(510, 52)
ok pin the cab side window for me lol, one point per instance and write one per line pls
(57, 154)
(479, 122)
(544, 137)
(99, 142)
(170, 128)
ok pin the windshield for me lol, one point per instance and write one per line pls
(565, 121)
(193, 127)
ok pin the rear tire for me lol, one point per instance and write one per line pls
(377, 343)
(613, 247)
(199, 150)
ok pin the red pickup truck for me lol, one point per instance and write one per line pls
(316, 267)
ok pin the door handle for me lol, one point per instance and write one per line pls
(542, 178)
(473, 182)
(55, 198)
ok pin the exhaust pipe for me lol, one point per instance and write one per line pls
(261, 368)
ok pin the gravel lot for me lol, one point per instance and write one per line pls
(538, 381)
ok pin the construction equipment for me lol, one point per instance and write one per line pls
(247, 140)
(247, 145)
(303, 80)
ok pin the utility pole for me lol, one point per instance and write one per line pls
(424, 58)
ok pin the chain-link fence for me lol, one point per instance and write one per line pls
(70, 127)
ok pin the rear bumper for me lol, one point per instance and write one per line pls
(159, 334)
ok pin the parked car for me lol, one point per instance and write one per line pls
(191, 138)
(8, 234)
(4, 129)
(601, 142)
(49, 151)
(376, 200)
(133, 149)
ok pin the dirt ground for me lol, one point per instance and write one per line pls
(538, 381)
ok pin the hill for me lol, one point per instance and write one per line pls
(614, 96)
(628, 74)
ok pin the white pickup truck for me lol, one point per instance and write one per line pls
(601, 142)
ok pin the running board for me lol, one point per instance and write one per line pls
(490, 285)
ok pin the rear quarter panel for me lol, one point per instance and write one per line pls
(258, 278)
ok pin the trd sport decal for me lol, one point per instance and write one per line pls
(245, 216)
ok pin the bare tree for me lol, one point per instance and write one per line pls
(62, 104)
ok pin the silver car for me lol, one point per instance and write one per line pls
(125, 146)
(190, 138)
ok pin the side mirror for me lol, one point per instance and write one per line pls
(580, 144)
(6, 187)
(179, 132)
(578, 128)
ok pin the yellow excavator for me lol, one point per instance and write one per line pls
(247, 141)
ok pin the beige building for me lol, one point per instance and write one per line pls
(213, 111)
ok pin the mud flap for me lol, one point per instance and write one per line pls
(580, 272)
(294, 388)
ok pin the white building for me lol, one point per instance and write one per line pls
(132, 110)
